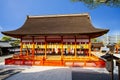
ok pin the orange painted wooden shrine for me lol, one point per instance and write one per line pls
(56, 40)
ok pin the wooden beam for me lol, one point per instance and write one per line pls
(45, 47)
(75, 47)
(89, 47)
(33, 46)
(27, 52)
(62, 47)
(21, 46)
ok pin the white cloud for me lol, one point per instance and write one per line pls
(1, 28)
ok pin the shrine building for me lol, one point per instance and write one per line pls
(56, 40)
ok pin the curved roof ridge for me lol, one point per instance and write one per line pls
(59, 15)
(68, 24)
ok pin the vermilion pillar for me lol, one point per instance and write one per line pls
(45, 47)
(62, 47)
(21, 46)
(75, 47)
(33, 47)
(89, 47)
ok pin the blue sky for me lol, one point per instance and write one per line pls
(13, 13)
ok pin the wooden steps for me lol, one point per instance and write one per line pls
(53, 63)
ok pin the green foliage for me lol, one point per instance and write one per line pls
(6, 38)
(96, 3)
(94, 40)
(15, 43)
(118, 42)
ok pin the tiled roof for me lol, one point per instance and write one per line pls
(70, 24)
(5, 44)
